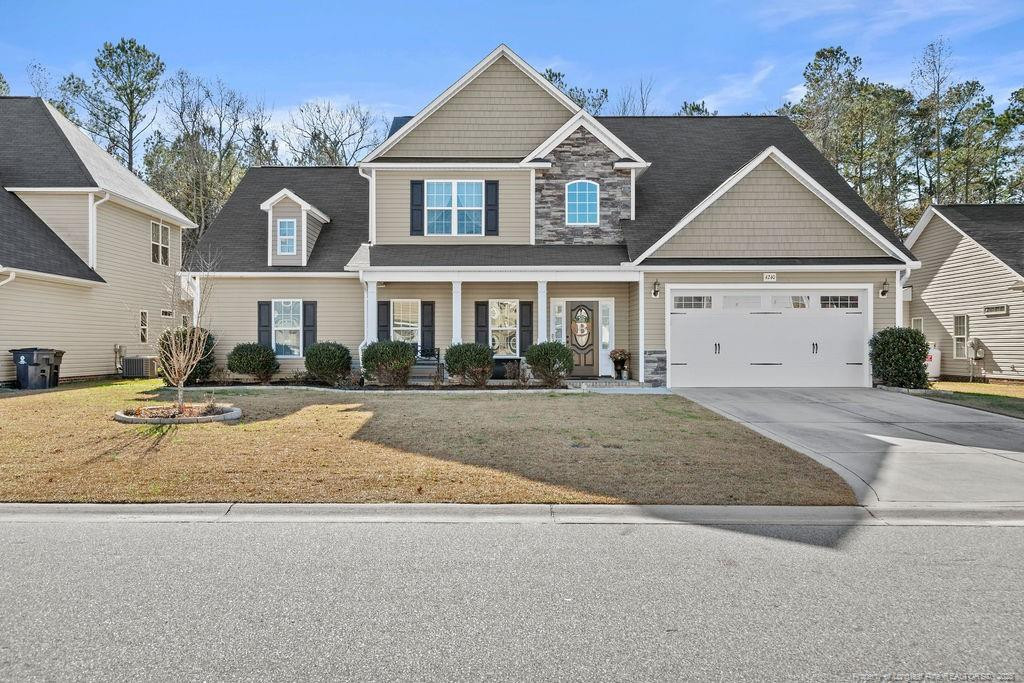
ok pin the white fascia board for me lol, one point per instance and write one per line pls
(272, 274)
(452, 165)
(934, 211)
(585, 120)
(549, 274)
(807, 181)
(306, 206)
(53, 189)
(452, 90)
(853, 268)
(38, 275)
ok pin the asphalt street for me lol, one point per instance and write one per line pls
(120, 600)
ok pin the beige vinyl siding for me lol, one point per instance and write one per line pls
(654, 311)
(438, 292)
(485, 291)
(768, 213)
(392, 189)
(67, 214)
(501, 113)
(286, 209)
(585, 291)
(232, 309)
(313, 228)
(957, 276)
(86, 322)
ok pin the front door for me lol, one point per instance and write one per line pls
(582, 334)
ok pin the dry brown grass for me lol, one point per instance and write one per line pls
(377, 447)
(1006, 399)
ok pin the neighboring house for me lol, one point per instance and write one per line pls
(717, 250)
(87, 250)
(971, 287)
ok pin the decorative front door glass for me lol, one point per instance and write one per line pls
(582, 337)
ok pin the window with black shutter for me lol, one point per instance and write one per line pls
(263, 328)
(308, 325)
(416, 207)
(491, 208)
(383, 321)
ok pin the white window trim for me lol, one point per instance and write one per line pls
(605, 365)
(419, 319)
(566, 193)
(160, 245)
(965, 336)
(454, 208)
(921, 329)
(490, 328)
(143, 326)
(273, 328)
(295, 237)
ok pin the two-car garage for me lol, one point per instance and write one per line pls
(774, 336)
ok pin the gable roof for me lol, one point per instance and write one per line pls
(40, 148)
(398, 133)
(237, 239)
(998, 228)
(692, 156)
(583, 119)
(285, 193)
(29, 244)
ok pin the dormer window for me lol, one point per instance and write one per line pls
(466, 217)
(286, 237)
(581, 203)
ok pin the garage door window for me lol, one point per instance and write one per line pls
(840, 301)
(781, 302)
(744, 301)
(683, 302)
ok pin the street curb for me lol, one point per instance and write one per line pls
(459, 513)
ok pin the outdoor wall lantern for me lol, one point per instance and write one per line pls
(656, 289)
(884, 291)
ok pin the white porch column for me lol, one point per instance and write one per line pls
(456, 311)
(542, 311)
(370, 315)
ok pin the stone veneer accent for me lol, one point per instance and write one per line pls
(581, 156)
(655, 363)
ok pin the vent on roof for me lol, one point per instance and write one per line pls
(996, 310)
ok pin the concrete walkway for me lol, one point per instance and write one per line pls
(890, 447)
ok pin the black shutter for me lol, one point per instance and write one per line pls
(427, 329)
(308, 325)
(482, 311)
(263, 324)
(383, 321)
(491, 207)
(415, 207)
(525, 326)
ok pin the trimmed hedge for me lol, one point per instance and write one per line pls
(253, 359)
(204, 368)
(898, 355)
(328, 362)
(474, 363)
(388, 362)
(550, 362)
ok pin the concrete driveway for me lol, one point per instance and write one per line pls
(891, 448)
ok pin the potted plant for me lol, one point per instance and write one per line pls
(619, 357)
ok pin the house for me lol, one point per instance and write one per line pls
(718, 251)
(968, 296)
(87, 250)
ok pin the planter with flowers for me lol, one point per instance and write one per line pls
(619, 357)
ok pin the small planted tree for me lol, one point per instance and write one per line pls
(550, 362)
(898, 356)
(473, 363)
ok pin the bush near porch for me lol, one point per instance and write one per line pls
(323, 446)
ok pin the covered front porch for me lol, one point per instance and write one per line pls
(509, 312)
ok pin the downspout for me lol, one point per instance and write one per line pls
(10, 277)
(93, 204)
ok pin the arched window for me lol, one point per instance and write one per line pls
(581, 203)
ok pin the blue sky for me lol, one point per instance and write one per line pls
(396, 56)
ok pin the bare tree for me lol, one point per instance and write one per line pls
(181, 349)
(931, 79)
(319, 133)
(635, 100)
(41, 80)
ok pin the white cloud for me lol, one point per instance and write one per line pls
(795, 94)
(738, 89)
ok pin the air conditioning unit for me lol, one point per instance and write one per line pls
(139, 366)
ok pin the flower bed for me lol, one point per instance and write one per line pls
(190, 413)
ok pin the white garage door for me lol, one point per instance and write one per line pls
(768, 337)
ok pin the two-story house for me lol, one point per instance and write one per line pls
(718, 251)
(87, 250)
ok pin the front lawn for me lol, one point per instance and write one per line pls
(316, 446)
(1007, 399)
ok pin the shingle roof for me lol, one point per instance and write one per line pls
(398, 255)
(692, 155)
(397, 123)
(41, 148)
(997, 227)
(29, 244)
(237, 239)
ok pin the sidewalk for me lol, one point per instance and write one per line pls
(226, 513)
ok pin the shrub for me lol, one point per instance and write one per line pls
(203, 369)
(474, 363)
(253, 359)
(388, 362)
(550, 362)
(328, 362)
(897, 358)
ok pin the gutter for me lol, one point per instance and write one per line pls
(93, 220)
(10, 276)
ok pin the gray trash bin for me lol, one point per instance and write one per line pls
(58, 356)
(33, 366)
